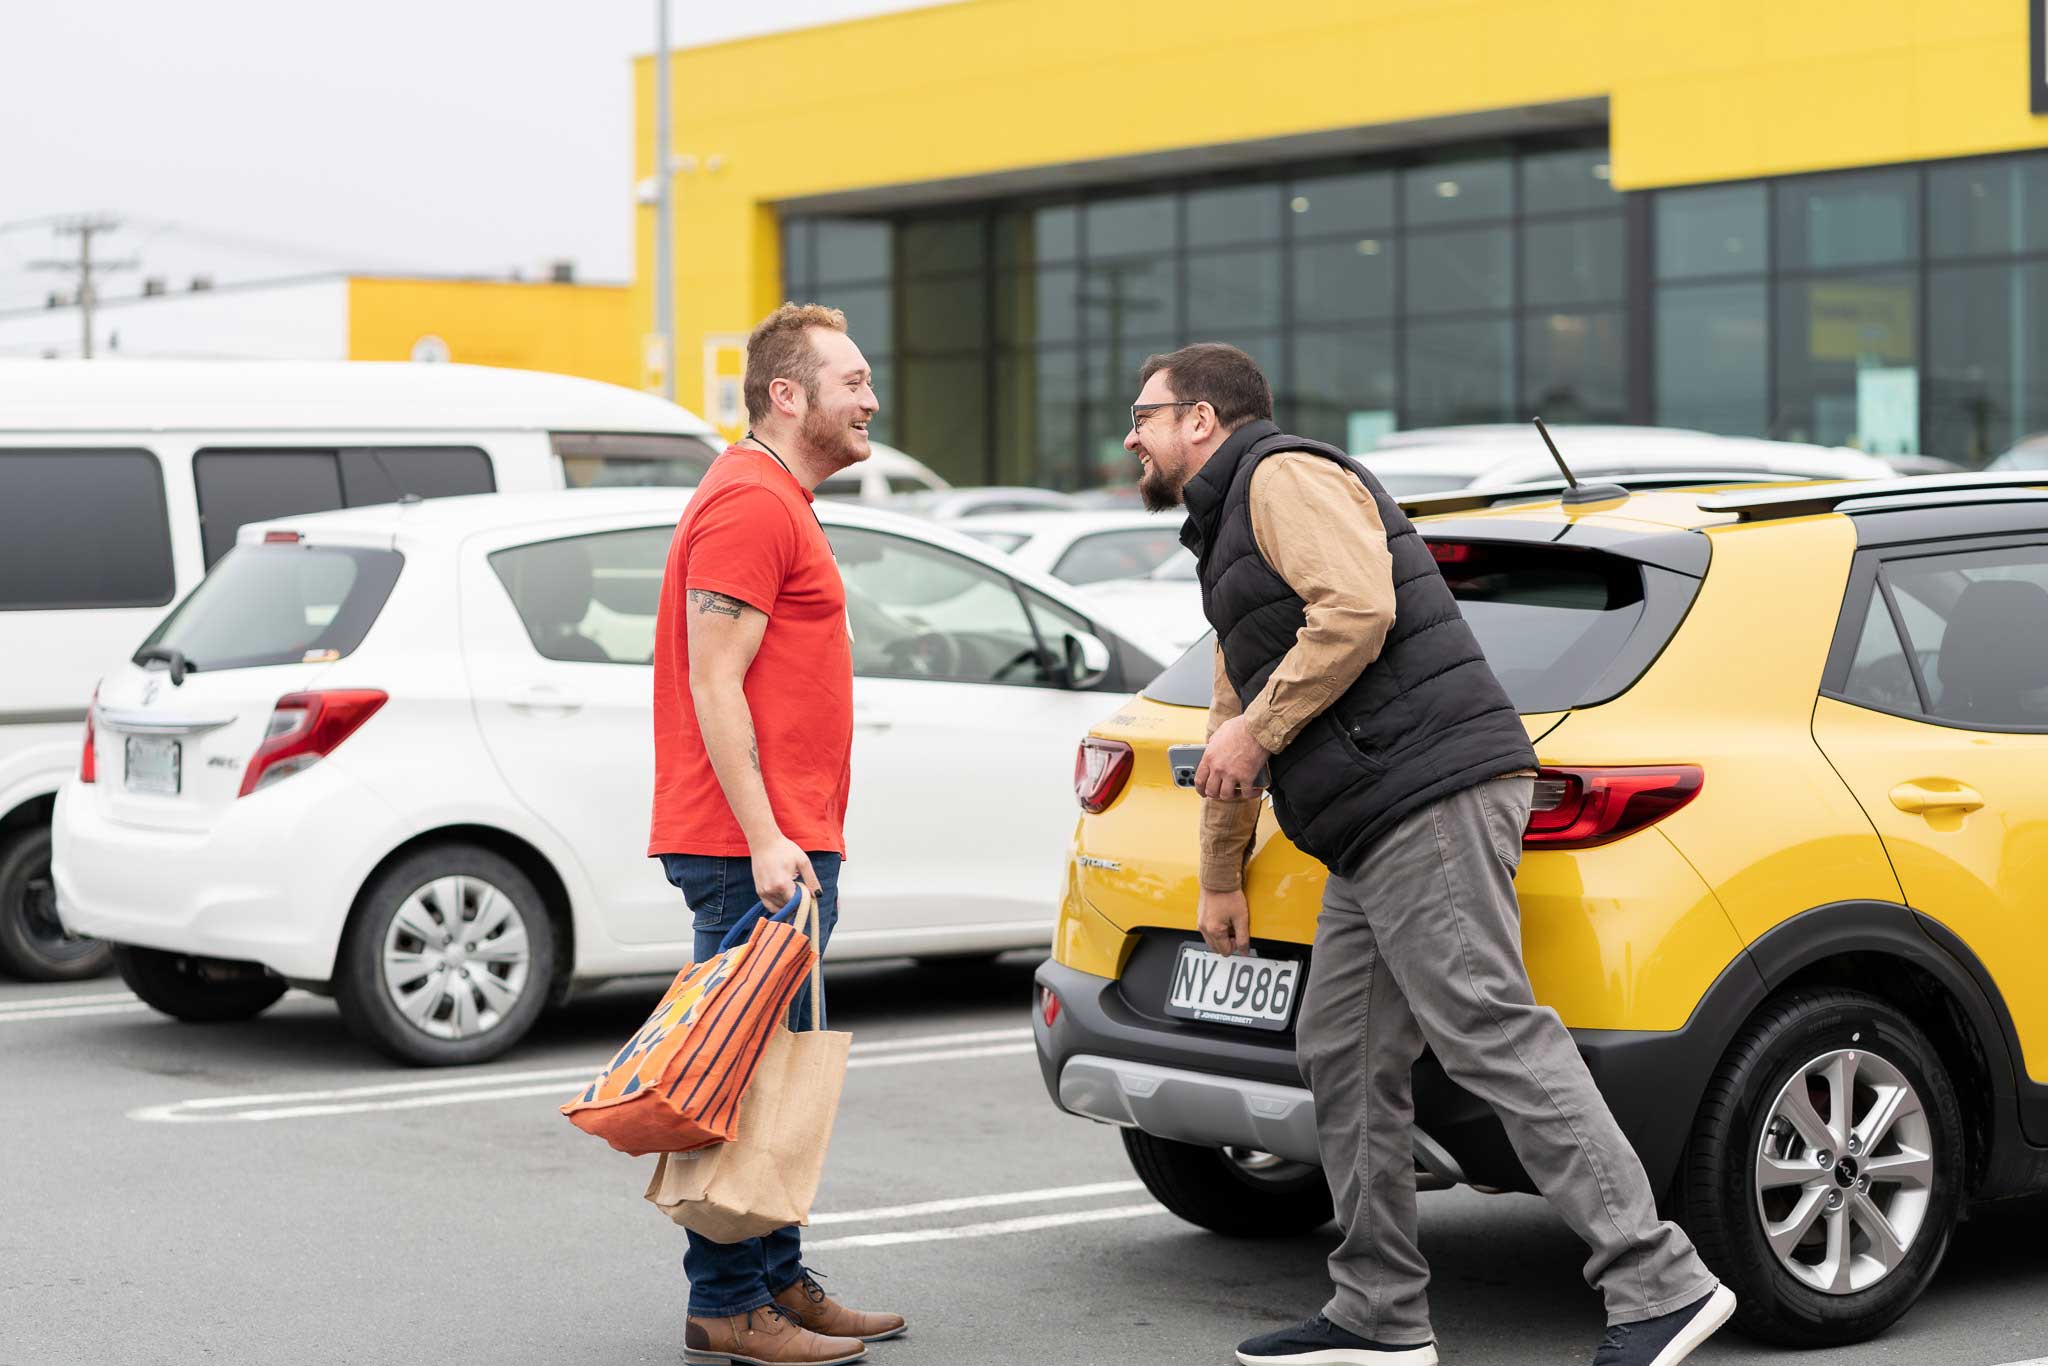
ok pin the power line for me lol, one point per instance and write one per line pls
(85, 228)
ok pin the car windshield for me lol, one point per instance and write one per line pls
(280, 603)
(1551, 620)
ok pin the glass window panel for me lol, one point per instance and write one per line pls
(1230, 290)
(1128, 554)
(1847, 362)
(1225, 217)
(1978, 622)
(1038, 415)
(1027, 236)
(1124, 227)
(850, 249)
(935, 246)
(1459, 272)
(1559, 182)
(919, 612)
(1459, 372)
(1574, 261)
(1879, 676)
(1038, 306)
(240, 486)
(942, 411)
(1130, 298)
(943, 313)
(1713, 357)
(1343, 390)
(1717, 231)
(82, 528)
(1361, 203)
(870, 314)
(1456, 191)
(1987, 364)
(1575, 366)
(883, 426)
(589, 599)
(1868, 218)
(1344, 281)
(1111, 376)
(1988, 208)
(796, 256)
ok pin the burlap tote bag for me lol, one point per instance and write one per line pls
(767, 1175)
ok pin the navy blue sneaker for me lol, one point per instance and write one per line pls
(1669, 1338)
(1320, 1342)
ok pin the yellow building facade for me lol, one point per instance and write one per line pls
(1753, 217)
(570, 329)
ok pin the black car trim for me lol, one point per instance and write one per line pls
(1682, 552)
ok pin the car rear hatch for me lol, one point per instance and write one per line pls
(1569, 612)
(193, 721)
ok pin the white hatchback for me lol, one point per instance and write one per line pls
(402, 754)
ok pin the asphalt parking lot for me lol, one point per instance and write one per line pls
(271, 1192)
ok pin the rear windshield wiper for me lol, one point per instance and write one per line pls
(180, 666)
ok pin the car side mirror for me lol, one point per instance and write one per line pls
(1087, 661)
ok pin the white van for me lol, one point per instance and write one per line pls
(122, 481)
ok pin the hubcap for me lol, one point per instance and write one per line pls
(1844, 1172)
(1265, 1166)
(45, 927)
(456, 958)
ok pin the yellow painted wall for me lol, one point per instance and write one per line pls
(1696, 92)
(584, 330)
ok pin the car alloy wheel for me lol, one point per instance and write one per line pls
(456, 957)
(1844, 1171)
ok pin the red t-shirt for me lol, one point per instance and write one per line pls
(750, 533)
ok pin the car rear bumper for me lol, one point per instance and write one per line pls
(270, 880)
(1104, 1061)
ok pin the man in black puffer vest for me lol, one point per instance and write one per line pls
(1345, 670)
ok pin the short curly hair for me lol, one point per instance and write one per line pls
(780, 348)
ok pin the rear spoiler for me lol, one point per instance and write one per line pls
(1471, 500)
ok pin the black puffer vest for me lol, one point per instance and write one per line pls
(1426, 719)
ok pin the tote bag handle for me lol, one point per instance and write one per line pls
(802, 913)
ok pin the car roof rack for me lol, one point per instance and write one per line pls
(1468, 500)
(1770, 505)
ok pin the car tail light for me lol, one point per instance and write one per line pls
(1577, 808)
(1450, 552)
(1101, 768)
(1048, 1006)
(88, 762)
(304, 728)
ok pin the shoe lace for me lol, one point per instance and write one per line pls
(1615, 1339)
(775, 1311)
(809, 1280)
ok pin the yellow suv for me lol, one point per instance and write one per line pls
(1786, 882)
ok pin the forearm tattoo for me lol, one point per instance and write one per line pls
(711, 604)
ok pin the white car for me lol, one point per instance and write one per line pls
(953, 505)
(1083, 547)
(1498, 456)
(402, 754)
(886, 474)
(1167, 603)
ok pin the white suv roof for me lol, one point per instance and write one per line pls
(169, 395)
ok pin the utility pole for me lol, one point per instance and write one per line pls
(664, 240)
(85, 228)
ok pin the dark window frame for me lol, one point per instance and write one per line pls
(161, 508)
(340, 456)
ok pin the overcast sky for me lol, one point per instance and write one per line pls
(252, 138)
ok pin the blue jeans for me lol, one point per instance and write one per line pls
(732, 1278)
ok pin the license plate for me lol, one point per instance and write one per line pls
(153, 765)
(1257, 993)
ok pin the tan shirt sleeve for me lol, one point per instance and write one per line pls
(1228, 827)
(1320, 530)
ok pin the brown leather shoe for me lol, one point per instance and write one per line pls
(823, 1314)
(768, 1336)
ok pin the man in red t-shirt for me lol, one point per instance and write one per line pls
(753, 739)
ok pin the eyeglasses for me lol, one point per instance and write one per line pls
(1138, 410)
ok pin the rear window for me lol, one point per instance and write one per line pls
(1553, 621)
(592, 460)
(239, 485)
(269, 604)
(82, 529)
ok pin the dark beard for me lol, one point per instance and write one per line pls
(1156, 493)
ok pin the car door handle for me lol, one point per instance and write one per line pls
(539, 697)
(1935, 794)
(864, 719)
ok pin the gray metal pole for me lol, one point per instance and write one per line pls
(85, 232)
(664, 231)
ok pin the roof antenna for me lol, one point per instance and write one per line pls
(1576, 493)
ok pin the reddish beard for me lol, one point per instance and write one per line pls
(829, 437)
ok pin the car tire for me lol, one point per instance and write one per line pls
(34, 944)
(1745, 1170)
(414, 986)
(1244, 1195)
(196, 990)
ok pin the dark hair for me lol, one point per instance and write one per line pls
(1222, 376)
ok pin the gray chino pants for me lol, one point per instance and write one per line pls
(1424, 947)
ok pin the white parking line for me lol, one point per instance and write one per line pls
(467, 1090)
(1029, 1224)
(69, 1012)
(75, 999)
(1036, 1197)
